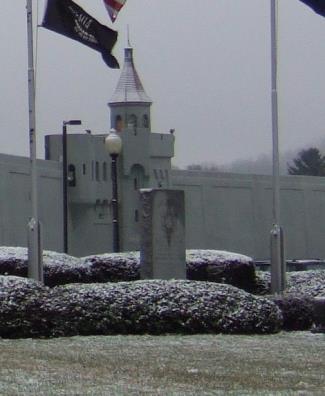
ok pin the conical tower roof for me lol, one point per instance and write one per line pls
(129, 88)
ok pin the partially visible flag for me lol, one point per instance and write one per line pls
(317, 5)
(67, 18)
(113, 7)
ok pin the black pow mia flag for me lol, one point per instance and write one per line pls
(317, 5)
(67, 18)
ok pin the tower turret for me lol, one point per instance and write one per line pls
(130, 105)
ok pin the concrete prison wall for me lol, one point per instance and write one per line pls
(234, 212)
(15, 201)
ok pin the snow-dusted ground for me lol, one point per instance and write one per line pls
(280, 364)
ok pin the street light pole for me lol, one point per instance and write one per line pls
(65, 181)
(116, 234)
(113, 144)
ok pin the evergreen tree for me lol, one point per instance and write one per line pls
(309, 162)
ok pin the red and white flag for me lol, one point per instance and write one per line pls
(113, 7)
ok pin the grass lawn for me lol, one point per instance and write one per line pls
(280, 364)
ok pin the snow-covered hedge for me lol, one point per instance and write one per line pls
(296, 303)
(309, 283)
(203, 265)
(301, 283)
(297, 311)
(29, 309)
(21, 313)
(59, 269)
(222, 267)
(113, 267)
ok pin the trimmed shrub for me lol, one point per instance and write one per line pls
(59, 268)
(203, 265)
(113, 267)
(158, 307)
(262, 283)
(28, 309)
(297, 311)
(13, 261)
(21, 314)
(309, 283)
(300, 283)
(222, 267)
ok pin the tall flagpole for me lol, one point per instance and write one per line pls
(277, 248)
(35, 267)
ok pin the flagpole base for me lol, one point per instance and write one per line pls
(35, 251)
(278, 263)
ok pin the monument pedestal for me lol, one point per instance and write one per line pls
(162, 246)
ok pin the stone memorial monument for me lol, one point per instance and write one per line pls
(162, 247)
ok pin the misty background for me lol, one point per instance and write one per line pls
(206, 68)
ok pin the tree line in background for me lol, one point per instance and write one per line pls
(307, 162)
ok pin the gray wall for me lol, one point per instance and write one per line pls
(223, 211)
(144, 162)
(234, 212)
(15, 201)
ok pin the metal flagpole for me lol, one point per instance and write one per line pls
(277, 245)
(35, 267)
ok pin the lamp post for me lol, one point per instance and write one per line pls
(113, 144)
(65, 181)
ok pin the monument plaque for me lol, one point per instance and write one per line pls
(162, 248)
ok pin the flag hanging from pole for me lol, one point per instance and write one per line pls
(113, 7)
(317, 5)
(67, 18)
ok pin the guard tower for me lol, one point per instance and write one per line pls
(146, 157)
(145, 162)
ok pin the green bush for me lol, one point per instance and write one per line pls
(28, 309)
(297, 311)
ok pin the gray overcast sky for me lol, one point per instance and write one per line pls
(206, 67)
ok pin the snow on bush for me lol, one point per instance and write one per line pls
(309, 283)
(113, 267)
(222, 267)
(206, 265)
(158, 307)
(20, 307)
(13, 261)
(59, 268)
(306, 283)
(28, 309)
(297, 311)
(296, 303)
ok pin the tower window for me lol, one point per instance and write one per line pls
(145, 121)
(104, 171)
(135, 183)
(118, 123)
(132, 121)
(71, 175)
(97, 171)
(84, 169)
